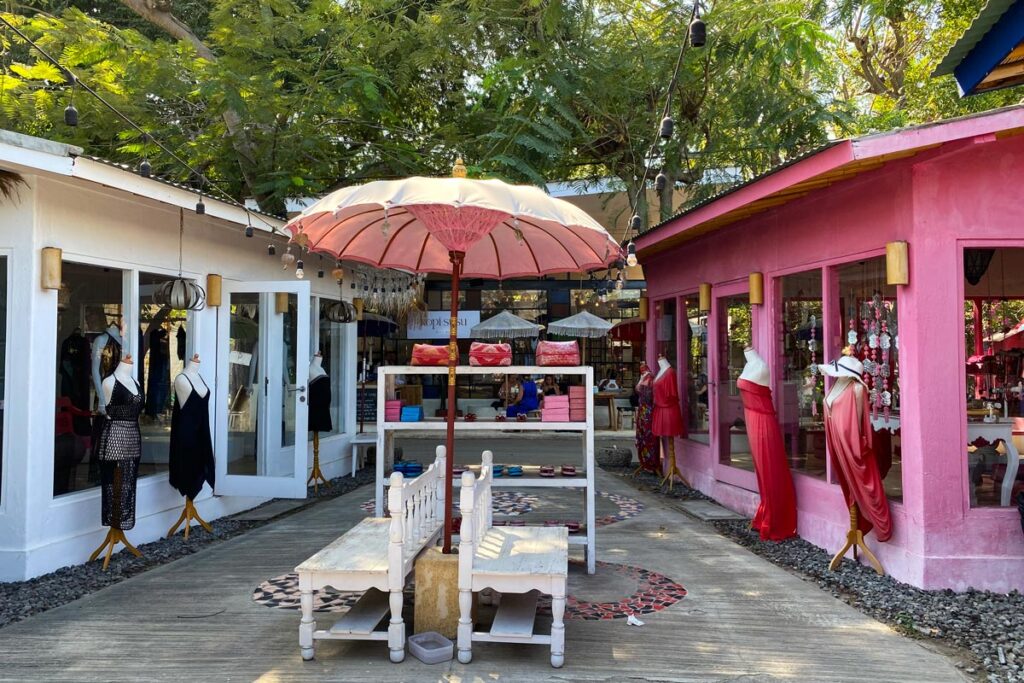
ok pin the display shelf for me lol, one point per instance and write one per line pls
(584, 481)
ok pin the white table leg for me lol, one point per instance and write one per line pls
(558, 627)
(396, 628)
(355, 455)
(1012, 464)
(307, 625)
(465, 633)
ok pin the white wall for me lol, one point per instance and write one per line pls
(103, 226)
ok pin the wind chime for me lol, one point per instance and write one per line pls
(875, 344)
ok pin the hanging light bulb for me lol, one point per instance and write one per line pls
(338, 273)
(635, 223)
(70, 113)
(698, 32)
(271, 250)
(145, 169)
(287, 259)
(248, 231)
(631, 259)
(620, 282)
(668, 125)
(200, 207)
(299, 271)
(660, 182)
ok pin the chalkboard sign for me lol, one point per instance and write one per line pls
(366, 404)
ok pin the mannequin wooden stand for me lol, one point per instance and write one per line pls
(316, 476)
(114, 536)
(855, 539)
(673, 468)
(187, 515)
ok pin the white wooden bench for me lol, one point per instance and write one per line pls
(520, 563)
(377, 556)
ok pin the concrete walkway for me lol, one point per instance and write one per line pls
(743, 620)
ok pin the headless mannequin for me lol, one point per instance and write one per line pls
(185, 383)
(122, 375)
(316, 371)
(668, 444)
(98, 345)
(189, 378)
(663, 366)
(756, 370)
(839, 386)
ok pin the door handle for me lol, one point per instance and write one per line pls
(266, 386)
(301, 389)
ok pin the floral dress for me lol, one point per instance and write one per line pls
(646, 442)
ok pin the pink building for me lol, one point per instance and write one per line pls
(944, 345)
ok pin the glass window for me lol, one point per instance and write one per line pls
(994, 346)
(3, 360)
(734, 335)
(697, 387)
(869, 329)
(620, 353)
(330, 342)
(163, 343)
(665, 329)
(799, 387)
(89, 344)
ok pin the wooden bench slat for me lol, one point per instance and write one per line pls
(515, 616)
(542, 551)
(364, 615)
(363, 548)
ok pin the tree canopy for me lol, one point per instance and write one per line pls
(276, 99)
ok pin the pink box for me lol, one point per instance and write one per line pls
(556, 401)
(577, 391)
(554, 416)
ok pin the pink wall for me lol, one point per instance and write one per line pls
(958, 191)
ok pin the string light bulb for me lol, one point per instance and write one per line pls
(620, 282)
(338, 273)
(661, 182)
(145, 169)
(70, 113)
(287, 259)
(668, 125)
(698, 32)
(200, 207)
(299, 270)
(635, 223)
(631, 259)
(271, 250)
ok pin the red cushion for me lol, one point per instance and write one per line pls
(550, 353)
(490, 355)
(427, 354)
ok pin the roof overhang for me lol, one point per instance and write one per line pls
(837, 162)
(990, 54)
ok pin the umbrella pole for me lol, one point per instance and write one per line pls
(453, 361)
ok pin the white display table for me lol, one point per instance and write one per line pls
(583, 481)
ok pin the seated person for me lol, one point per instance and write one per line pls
(508, 393)
(526, 400)
(549, 387)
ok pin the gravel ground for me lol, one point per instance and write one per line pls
(22, 599)
(985, 630)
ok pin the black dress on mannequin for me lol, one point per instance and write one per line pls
(320, 404)
(159, 372)
(191, 453)
(118, 451)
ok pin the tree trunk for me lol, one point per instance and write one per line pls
(232, 120)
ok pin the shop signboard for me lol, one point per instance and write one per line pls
(436, 325)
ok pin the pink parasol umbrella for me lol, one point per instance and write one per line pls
(457, 226)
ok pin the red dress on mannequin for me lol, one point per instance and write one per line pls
(668, 417)
(776, 515)
(848, 435)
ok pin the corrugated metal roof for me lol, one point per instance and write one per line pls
(986, 19)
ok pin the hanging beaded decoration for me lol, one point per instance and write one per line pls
(885, 342)
(812, 346)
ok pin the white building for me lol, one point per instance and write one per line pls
(119, 236)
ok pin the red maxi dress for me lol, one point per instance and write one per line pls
(776, 515)
(668, 417)
(848, 436)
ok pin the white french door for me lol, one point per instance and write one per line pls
(261, 397)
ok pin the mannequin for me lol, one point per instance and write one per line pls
(118, 451)
(646, 442)
(319, 414)
(106, 353)
(775, 519)
(667, 420)
(191, 450)
(848, 435)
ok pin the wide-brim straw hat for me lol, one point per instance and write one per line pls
(845, 366)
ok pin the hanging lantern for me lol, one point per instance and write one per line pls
(631, 259)
(660, 182)
(271, 250)
(200, 207)
(302, 239)
(338, 273)
(340, 312)
(698, 33)
(145, 169)
(635, 223)
(71, 115)
(287, 259)
(181, 295)
(668, 125)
